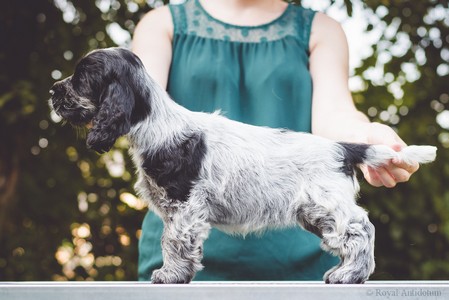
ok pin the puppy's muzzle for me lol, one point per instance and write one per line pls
(57, 91)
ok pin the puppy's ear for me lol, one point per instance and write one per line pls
(113, 118)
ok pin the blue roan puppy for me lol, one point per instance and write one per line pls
(198, 170)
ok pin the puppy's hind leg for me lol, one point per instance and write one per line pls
(346, 232)
(182, 246)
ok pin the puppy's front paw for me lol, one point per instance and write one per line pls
(164, 276)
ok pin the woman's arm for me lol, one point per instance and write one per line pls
(152, 42)
(334, 114)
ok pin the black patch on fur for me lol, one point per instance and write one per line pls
(315, 219)
(285, 130)
(310, 227)
(353, 155)
(176, 168)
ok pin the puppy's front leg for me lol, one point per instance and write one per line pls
(182, 247)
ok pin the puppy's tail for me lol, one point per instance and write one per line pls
(378, 155)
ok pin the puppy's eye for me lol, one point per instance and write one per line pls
(68, 105)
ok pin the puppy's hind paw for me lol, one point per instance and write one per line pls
(162, 276)
(339, 276)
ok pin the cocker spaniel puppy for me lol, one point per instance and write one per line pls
(198, 170)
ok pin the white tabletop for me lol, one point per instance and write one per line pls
(223, 290)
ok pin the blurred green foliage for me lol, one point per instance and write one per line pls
(67, 213)
(412, 95)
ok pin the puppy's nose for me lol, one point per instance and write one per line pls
(56, 88)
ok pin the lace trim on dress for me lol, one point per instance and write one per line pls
(192, 19)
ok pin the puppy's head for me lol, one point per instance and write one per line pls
(101, 91)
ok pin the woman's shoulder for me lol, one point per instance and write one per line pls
(322, 21)
(325, 27)
(156, 19)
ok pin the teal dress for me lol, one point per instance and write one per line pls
(257, 75)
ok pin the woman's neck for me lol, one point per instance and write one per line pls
(244, 12)
(245, 3)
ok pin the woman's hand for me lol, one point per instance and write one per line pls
(396, 171)
(334, 114)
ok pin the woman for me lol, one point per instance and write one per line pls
(258, 61)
